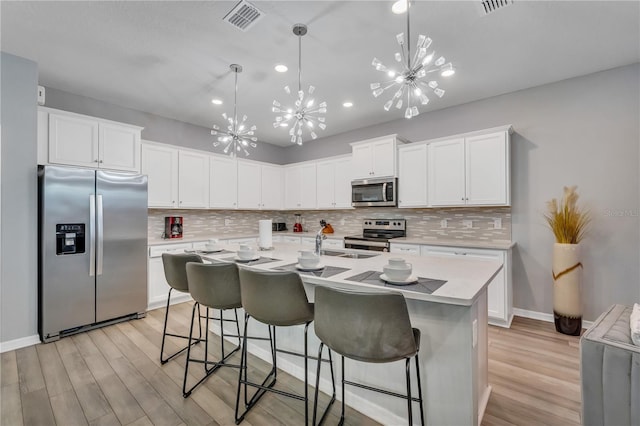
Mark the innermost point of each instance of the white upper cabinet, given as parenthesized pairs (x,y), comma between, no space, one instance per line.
(412,175)
(272,187)
(300,186)
(193,180)
(487,167)
(472,170)
(334,183)
(446,173)
(80,140)
(375,157)
(249,185)
(223,182)
(160,164)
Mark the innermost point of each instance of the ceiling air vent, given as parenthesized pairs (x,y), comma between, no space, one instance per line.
(243,15)
(489,6)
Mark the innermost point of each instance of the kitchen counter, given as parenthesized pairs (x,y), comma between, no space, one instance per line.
(204,237)
(465,279)
(452,320)
(455,242)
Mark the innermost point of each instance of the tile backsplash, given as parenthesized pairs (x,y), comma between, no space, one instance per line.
(469,224)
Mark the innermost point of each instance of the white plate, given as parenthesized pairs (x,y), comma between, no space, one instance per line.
(238,259)
(207,251)
(410,280)
(315,268)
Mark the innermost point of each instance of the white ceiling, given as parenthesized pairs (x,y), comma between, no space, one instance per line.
(172,57)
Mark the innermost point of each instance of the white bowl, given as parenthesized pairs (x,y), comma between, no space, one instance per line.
(246,254)
(212,247)
(308,254)
(309,262)
(395,273)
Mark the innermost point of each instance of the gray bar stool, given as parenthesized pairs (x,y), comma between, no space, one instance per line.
(175,272)
(214,286)
(277,299)
(368,327)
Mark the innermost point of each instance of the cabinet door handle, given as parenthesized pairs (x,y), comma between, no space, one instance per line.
(462,199)
(95,161)
(100,161)
(460,254)
(173,202)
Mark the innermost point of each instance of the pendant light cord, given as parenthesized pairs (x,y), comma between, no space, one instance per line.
(299,63)
(408,35)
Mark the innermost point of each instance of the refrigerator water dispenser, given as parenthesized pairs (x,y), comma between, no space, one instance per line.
(70,238)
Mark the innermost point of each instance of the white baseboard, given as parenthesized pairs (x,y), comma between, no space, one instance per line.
(162,303)
(22,342)
(542,316)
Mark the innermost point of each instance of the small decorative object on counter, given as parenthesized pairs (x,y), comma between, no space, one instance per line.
(297,227)
(328,229)
(568,223)
(172,227)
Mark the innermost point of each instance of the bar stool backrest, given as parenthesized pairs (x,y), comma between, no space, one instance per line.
(274,297)
(370,327)
(175,270)
(214,285)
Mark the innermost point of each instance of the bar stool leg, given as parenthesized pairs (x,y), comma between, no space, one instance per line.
(333,382)
(408,371)
(186,365)
(165,334)
(343,396)
(419,391)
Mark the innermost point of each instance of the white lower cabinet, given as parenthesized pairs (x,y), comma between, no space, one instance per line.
(332,243)
(405,249)
(157,287)
(499,293)
(290,240)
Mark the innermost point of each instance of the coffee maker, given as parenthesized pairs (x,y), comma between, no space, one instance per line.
(173,227)
(297,227)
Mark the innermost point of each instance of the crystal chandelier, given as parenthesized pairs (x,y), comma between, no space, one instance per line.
(305,114)
(239,136)
(416,78)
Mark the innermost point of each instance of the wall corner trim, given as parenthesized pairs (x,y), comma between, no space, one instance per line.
(22,342)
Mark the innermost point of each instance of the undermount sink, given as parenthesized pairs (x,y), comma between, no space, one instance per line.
(351,255)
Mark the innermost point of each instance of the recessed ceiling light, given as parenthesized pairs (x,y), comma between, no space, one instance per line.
(347,104)
(216,101)
(281,68)
(399,7)
(284,124)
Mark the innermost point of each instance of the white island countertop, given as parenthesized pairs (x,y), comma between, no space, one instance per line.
(465,278)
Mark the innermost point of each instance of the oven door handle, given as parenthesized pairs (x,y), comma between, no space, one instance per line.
(365,243)
(384,192)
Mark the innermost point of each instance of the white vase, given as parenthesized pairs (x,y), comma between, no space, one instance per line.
(567,288)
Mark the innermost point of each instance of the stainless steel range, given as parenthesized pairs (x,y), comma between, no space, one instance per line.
(376,234)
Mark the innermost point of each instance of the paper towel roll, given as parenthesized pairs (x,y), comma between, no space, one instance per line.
(266,238)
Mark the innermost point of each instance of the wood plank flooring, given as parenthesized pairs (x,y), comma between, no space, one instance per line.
(112,376)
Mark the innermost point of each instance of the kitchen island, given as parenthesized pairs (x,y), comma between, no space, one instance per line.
(449,306)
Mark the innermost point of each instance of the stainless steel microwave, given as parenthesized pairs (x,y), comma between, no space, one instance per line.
(374,192)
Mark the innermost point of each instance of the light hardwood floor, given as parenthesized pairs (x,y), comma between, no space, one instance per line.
(112,376)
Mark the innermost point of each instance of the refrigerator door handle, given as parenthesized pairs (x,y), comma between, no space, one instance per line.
(92,235)
(100,225)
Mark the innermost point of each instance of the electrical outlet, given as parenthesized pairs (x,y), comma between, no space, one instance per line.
(227,222)
(467,224)
(443,223)
(342,222)
(497,223)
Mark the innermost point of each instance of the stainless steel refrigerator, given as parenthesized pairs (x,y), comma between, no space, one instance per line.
(92,249)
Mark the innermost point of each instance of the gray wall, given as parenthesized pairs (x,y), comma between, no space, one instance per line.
(582,131)
(18,277)
(156,128)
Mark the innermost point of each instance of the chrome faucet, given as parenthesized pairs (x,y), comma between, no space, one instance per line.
(319,237)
